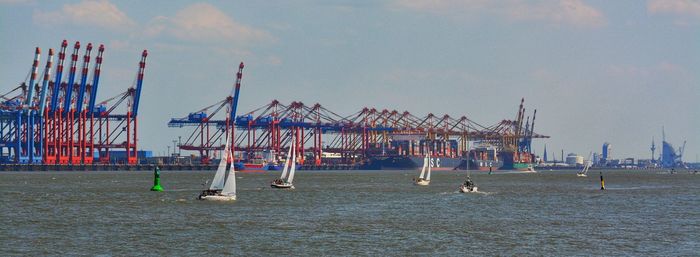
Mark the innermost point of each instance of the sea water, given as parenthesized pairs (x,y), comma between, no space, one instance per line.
(351,213)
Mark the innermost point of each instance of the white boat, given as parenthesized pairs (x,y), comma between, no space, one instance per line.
(468,189)
(285,180)
(223,186)
(468,186)
(584,172)
(424,177)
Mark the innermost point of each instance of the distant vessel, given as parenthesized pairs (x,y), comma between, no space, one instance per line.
(424,177)
(483,158)
(468,186)
(404,162)
(223,186)
(584,172)
(286,179)
(518,161)
(258,161)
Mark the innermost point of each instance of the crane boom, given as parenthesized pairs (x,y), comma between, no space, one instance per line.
(45,83)
(234,103)
(95,80)
(35,71)
(71,79)
(83,79)
(57,80)
(139,83)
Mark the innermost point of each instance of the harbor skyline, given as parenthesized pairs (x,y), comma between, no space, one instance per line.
(598,71)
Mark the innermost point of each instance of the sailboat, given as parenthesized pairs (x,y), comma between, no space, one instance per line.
(223,186)
(424,177)
(584,172)
(285,180)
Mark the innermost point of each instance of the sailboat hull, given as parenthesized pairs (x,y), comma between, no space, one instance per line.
(282,186)
(421,182)
(222,198)
(464,189)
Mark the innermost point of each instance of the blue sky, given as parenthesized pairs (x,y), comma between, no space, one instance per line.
(596,71)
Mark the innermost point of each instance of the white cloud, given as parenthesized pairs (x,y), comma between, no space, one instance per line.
(568,12)
(573,12)
(98,13)
(273,60)
(119,44)
(441,6)
(679,7)
(204,22)
(663,69)
(16,1)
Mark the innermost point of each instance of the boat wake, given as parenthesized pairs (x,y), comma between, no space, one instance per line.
(473,193)
(608,188)
(183,190)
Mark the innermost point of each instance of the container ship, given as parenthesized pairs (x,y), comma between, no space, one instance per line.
(480,159)
(256,161)
(484,159)
(518,161)
(410,154)
(398,162)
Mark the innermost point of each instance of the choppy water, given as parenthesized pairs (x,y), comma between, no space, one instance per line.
(351,213)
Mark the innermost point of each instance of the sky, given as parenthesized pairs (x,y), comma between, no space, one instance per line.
(596,70)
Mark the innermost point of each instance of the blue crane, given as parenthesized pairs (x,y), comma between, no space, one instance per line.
(83,79)
(71,79)
(57,81)
(95,80)
(45,84)
(139,83)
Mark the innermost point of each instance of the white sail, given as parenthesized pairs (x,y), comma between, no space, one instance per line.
(230,185)
(293,167)
(427,177)
(286,162)
(425,165)
(586,165)
(218,181)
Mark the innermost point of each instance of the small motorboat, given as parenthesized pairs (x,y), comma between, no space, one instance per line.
(468,186)
(468,189)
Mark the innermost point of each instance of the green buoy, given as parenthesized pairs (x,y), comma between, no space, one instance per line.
(156,180)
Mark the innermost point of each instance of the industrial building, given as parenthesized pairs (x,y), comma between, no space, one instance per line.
(670,158)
